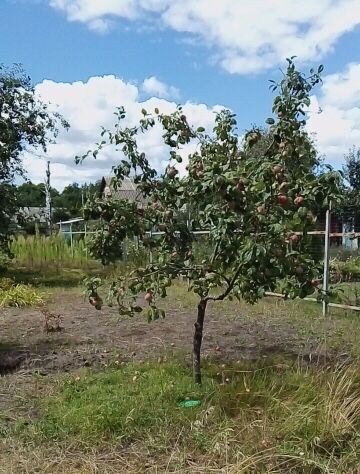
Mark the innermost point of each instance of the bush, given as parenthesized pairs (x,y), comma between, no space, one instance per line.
(4,261)
(347,270)
(6,283)
(19,296)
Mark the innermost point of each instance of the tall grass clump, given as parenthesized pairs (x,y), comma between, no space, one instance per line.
(40,251)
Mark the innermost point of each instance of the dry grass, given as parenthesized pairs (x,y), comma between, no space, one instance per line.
(269,419)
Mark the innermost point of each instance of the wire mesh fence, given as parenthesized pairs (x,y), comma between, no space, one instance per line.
(335,244)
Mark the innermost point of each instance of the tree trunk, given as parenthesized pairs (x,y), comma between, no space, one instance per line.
(198,335)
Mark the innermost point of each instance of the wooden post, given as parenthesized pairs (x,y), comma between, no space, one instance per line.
(326,261)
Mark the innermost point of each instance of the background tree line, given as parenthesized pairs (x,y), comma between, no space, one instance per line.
(65,204)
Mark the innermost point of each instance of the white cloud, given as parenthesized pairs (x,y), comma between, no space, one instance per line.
(90,105)
(334,116)
(157,88)
(245,36)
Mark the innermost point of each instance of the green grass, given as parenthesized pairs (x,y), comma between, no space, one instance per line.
(274,416)
(262,418)
(40,251)
(51,278)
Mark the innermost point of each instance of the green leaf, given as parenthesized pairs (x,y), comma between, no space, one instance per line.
(270,121)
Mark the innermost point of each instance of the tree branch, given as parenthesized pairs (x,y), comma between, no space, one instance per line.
(214,255)
(228,289)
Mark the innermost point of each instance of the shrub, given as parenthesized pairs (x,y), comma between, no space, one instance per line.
(20,296)
(6,283)
(347,270)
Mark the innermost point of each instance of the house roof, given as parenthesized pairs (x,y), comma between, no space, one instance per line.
(127,189)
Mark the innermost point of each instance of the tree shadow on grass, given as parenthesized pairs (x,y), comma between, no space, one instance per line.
(65,278)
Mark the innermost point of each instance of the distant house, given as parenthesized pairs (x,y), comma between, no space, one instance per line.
(26,218)
(127,190)
(339,225)
(37,214)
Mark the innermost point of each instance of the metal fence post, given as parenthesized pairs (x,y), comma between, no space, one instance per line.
(71,241)
(150,251)
(85,235)
(325,288)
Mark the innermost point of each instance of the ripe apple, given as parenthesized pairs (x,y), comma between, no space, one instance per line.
(174,255)
(315,282)
(92,300)
(96,301)
(282,199)
(99,304)
(171,172)
(148,297)
(261,209)
(277,169)
(299,200)
(240,186)
(299,270)
(162,227)
(285,153)
(156,205)
(278,253)
(294,239)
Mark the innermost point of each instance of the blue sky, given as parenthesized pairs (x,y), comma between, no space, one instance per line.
(188,51)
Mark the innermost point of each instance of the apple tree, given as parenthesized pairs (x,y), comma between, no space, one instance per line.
(256,206)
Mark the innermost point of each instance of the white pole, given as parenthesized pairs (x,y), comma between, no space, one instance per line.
(326,261)
(48,198)
(150,252)
(85,235)
(71,241)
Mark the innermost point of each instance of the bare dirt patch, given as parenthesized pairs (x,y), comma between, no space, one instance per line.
(94,338)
